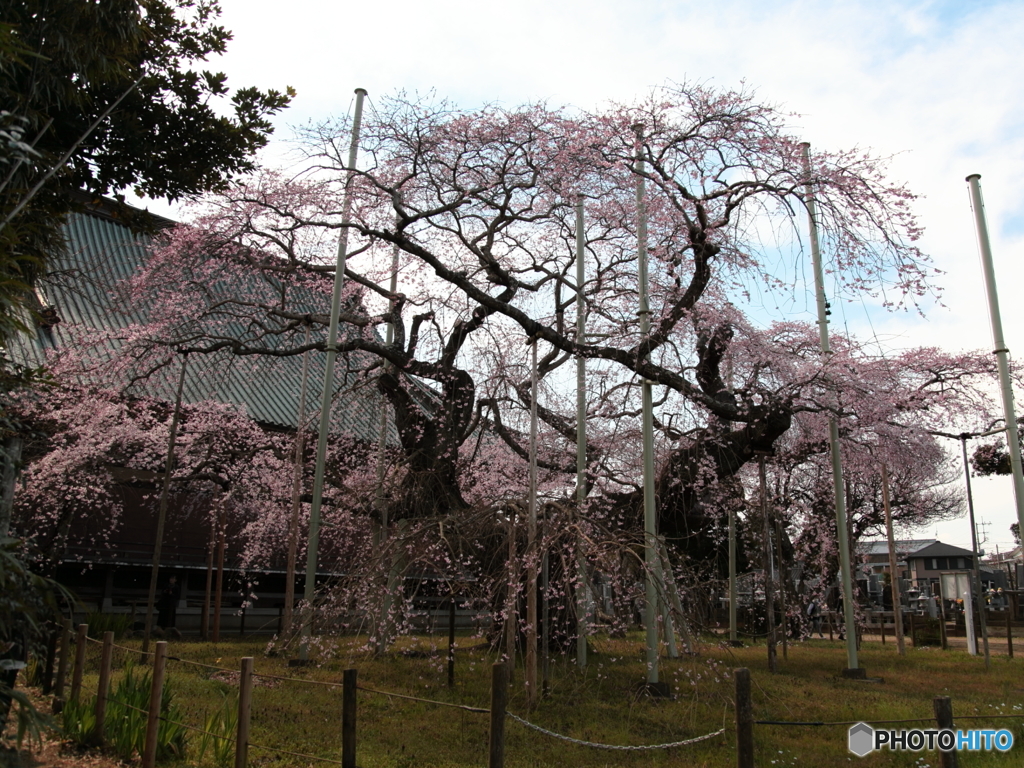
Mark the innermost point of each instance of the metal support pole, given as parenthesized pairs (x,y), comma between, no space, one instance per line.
(833,427)
(894,577)
(1001,352)
(974,551)
(328,390)
(381,534)
(581,442)
(647,426)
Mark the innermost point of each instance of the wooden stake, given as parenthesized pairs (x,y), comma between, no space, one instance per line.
(62,665)
(942,626)
(744,719)
(51,656)
(80,649)
(204,620)
(1009,633)
(348,719)
(244,712)
(944,717)
(156,694)
(219,594)
(103,689)
(499,699)
(451,642)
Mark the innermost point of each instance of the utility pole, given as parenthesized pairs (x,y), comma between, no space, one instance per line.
(328,390)
(833,429)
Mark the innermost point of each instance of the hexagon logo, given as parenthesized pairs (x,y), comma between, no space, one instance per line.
(861,739)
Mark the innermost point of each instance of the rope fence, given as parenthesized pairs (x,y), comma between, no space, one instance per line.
(111,653)
(621,748)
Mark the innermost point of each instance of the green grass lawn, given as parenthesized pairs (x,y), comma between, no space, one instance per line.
(597,704)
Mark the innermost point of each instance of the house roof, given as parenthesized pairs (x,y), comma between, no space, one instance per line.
(908,549)
(938,549)
(904,547)
(103,252)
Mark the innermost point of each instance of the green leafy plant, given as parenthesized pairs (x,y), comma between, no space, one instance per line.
(219,735)
(125,726)
(78,721)
(27,602)
(118,623)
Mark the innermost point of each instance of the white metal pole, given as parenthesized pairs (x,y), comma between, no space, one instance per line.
(647,426)
(842,535)
(384,629)
(581,442)
(974,547)
(1001,352)
(325,400)
(894,576)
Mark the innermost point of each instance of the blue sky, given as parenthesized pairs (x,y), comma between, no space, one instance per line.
(935,85)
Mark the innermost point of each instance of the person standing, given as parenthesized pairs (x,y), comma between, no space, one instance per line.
(167,605)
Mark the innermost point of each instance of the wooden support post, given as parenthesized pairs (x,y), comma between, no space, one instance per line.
(80,648)
(103,689)
(744,719)
(944,717)
(156,695)
(219,593)
(51,656)
(942,626)
(1009,633)
(451,643)
(62,666)
(204,619)
(244,711)
(913,631)
(782,589)
(348,719)
(499,698)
